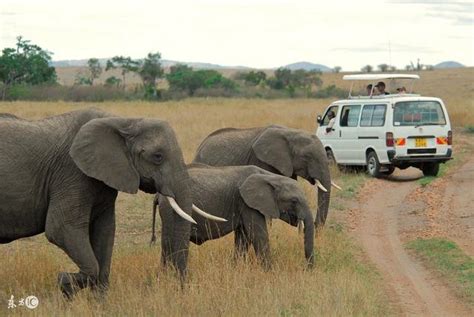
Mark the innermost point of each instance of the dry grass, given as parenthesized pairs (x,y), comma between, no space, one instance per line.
(340,284)
(454,86)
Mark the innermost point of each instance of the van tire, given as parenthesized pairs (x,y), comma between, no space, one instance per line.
(330,156)
(373,164)
(430,169)
(389,171)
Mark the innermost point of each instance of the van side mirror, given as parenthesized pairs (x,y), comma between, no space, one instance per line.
(319,119)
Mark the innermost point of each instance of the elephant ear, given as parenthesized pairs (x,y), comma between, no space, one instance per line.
(272,148)
(100,151)
(259,194)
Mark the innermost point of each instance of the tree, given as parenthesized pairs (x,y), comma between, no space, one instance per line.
(82,79)
(383,67)
(126,64)
(94,69)
(291,80)
(253,78)
(337,69)
(367,69)
(150,71)
(27,63)
(184,78)
(112,81)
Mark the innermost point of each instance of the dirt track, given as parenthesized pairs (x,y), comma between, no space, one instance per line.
(392,211)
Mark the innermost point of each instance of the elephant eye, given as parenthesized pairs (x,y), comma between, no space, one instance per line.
(294,201)
(158,158)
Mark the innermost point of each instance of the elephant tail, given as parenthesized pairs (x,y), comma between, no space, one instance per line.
(153,229)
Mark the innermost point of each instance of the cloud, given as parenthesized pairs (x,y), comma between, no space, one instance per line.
(457,12)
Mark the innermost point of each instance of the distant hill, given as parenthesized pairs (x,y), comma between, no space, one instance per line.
(449,64)
(308,66)
(164,63)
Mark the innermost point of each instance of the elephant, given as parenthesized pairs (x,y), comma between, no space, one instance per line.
(61,176)
(278,149)
(246,196)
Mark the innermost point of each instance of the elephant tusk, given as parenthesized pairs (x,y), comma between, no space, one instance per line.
(320,186)
(335,185)
(180,211)
(206,215)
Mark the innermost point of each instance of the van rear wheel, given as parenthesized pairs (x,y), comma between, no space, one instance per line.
(373,165)
(430,169)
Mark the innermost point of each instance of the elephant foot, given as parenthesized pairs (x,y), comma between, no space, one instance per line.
(71,283)
(266,265)
(67,285)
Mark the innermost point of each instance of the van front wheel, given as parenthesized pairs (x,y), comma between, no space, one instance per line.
(430,169)
(373,165)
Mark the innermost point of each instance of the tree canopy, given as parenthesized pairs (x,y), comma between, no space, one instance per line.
(27,63)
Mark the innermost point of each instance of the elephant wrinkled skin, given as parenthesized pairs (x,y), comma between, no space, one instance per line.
(244,195)
(61,175)
(277,149)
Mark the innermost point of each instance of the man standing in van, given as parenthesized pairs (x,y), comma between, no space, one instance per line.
(332,120)
(381,88)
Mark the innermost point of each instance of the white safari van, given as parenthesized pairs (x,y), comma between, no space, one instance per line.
(386,131)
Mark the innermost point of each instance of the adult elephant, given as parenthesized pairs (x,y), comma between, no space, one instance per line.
(246,196)
(277,149)
(61,175)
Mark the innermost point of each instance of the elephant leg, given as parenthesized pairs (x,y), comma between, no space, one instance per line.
(241,242)
(166,244)
(256,226)
(71,234)
(102,240)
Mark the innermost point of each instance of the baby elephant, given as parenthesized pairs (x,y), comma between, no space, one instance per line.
(245,196)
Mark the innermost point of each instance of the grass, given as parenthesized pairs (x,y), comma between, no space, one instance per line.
(470,128)
(340,285)
(446,258)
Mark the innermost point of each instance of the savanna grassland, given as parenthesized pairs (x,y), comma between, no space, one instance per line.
(341,284)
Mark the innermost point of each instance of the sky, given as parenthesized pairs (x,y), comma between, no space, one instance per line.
(254,33)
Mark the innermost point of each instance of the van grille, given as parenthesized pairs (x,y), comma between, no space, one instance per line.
(421,151)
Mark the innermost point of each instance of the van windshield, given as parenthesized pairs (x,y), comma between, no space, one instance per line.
(417,113)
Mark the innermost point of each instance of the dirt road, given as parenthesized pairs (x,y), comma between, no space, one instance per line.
(391,211)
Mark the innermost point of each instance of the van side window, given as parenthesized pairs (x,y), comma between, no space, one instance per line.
(373,116)
(350,116)
(326,118)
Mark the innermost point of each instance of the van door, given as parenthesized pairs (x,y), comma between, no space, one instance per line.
(348,134)
(372,131)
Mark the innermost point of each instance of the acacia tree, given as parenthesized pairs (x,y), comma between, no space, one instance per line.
(367,69)
(383,67)
(126,64)
(27,63)
(150,71)
(337,69)
(94,68)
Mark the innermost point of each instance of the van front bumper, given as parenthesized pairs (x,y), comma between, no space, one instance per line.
(407,160)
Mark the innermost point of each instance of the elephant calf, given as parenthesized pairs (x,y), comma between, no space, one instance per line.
(245,196)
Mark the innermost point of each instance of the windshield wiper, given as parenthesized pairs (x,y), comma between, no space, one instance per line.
(428,123)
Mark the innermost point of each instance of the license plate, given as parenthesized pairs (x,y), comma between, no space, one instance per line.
(420,142)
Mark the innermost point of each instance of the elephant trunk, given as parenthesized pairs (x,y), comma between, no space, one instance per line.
(309,238)
(323,199)
(178,228)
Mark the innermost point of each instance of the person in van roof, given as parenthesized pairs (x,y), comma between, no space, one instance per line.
(402,90)
(369,90)
(381,88)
